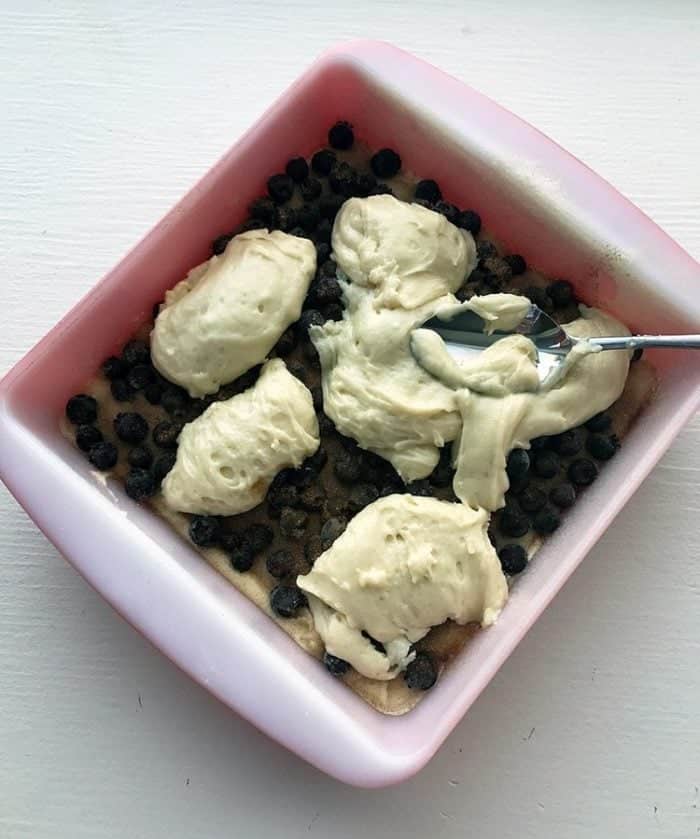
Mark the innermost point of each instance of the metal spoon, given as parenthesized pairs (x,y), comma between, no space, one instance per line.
(464,337)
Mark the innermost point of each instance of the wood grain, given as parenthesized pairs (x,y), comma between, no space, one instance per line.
(592,727)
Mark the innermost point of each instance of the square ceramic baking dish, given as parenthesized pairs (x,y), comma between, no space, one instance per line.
(535,198)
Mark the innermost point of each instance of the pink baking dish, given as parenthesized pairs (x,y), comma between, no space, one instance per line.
(539,201)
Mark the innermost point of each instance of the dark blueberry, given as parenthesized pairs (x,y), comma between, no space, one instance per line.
(317,397)
(308,217)
(360,496)
(485,250)
(637,354)
(602,447)
(165,434)
(323,161)
(385,163)
(140,457)
(280,564)
(366,184)
(582,472)
(325,424)
(516,263)
(153,393)
(428,190)
(114,368)
(546,464)
(86,436)
(286,343)
(419,488)
(518,485)
(311,317)
(162,465)
(341,136)
(312,498)
(443,473)
(280,188)
(218,246)
(561,293)
(230,540)
(323,231)
(532,499)
(286,219)
(421,673)
(251,224)
(310,189)
(173,399)
(328,269)
(130,427)
(331,530)
(139,484)
(343,179)
(297,169)
(279,497)
(539,297)
(323,251)
(300,233)
(136,352)
(513,559)
(241,557)
(141,375)
(313,549)
(329,205)
(348,467)
(293,523)
(328,290)
(205,531)
(103,455)
(286,601)
(514,522)
(121,390)
(470,221)
(539,443)
(546,521)
(264,210)
(333,311)
(563,496)
(317,460)
(448,210)
(568,443)
(302,477)
(81,409)
(599,422)
(335,666)
(518,464)
(381,189)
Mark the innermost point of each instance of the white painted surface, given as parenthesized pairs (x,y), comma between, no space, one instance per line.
(592,728)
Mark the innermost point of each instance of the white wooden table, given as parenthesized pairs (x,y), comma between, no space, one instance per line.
(592,728)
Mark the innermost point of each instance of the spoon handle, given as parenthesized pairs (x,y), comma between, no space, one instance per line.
(633,342)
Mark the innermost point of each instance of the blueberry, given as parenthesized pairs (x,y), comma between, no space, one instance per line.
(162,465)
(297,169)
(341,135)
(421,673)
(279,497)
(325,424)
(323,251)
(173,399)
(385,163)
(532,499)
(366,184)
(286,343)
(280,188)
(546,521)
(347,467)
(286,601)
(139,484)
(121,390)
(513,559)
(205,531)
(582,472)
(514,522)
(335,666)
(141,375)
(136,352)
(470,221)
(563,495)
(568,443)
(485,250)
(546,464)
(361,496)
(539,297)
(299,232)
(331,530)
(140,457)
(81,409)
(329,205)
(382,189)
(165,434)
(518,464)
(241,557)
(218,246)
(103,456)
(317,460)
(448,210)
(86,436)
(599,422)
(286,219)
(343,179)
(323,161)
(539,443)
(153,393)
(516,263)
(250,224)
(293,523)
(264,210)
(328,290)
(280,564)
(333,311)
(419,488)
(313,549)
(310,189)
(308,217)
(428,190)
(602,447)
(443,473)
(259,537)
(130,427)
(114,368)
(561,293)
(323,231)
